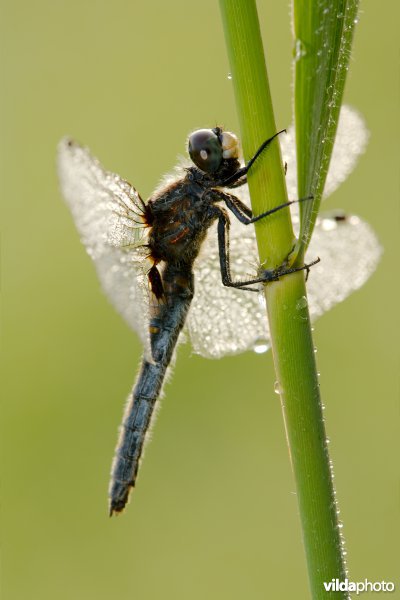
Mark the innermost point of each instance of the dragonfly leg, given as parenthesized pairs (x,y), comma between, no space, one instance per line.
(266,277)
(243,179)
(223,245)
(276,274)
(244,170)
(243,213)
(239,182)
(276,208)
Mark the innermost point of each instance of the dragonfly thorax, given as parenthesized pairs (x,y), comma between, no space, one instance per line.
(180,219)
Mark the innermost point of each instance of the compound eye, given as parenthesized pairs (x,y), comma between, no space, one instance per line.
(205,150)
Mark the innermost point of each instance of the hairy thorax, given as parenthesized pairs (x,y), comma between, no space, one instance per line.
(179,217)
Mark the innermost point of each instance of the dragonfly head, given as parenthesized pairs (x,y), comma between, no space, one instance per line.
(208,148)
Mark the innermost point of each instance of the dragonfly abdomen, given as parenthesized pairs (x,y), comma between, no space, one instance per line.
(165,326)
(135,425)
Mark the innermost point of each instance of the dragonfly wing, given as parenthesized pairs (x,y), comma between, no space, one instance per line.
(350,142)
(108,213)
(125,283)
(349,252)
(225,320)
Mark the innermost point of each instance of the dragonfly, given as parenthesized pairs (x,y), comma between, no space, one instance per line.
(166,269)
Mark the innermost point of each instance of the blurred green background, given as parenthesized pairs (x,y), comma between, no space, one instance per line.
(214,514)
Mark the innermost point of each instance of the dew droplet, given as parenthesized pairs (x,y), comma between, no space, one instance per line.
(299,50)
(277,387)
(261,345)
(261,300)
(301,303)
(230,76)
(328,224)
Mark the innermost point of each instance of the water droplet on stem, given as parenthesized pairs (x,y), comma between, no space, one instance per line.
(261,346)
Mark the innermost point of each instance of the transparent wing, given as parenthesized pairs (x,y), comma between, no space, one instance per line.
(221,320)
(227,321)
(351,140)
(349,252)
(224,320)
(108,213)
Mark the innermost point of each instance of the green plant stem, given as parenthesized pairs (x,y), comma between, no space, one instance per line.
(257,123)
(290,328)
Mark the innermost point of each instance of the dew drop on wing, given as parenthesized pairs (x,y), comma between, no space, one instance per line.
(261,345)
